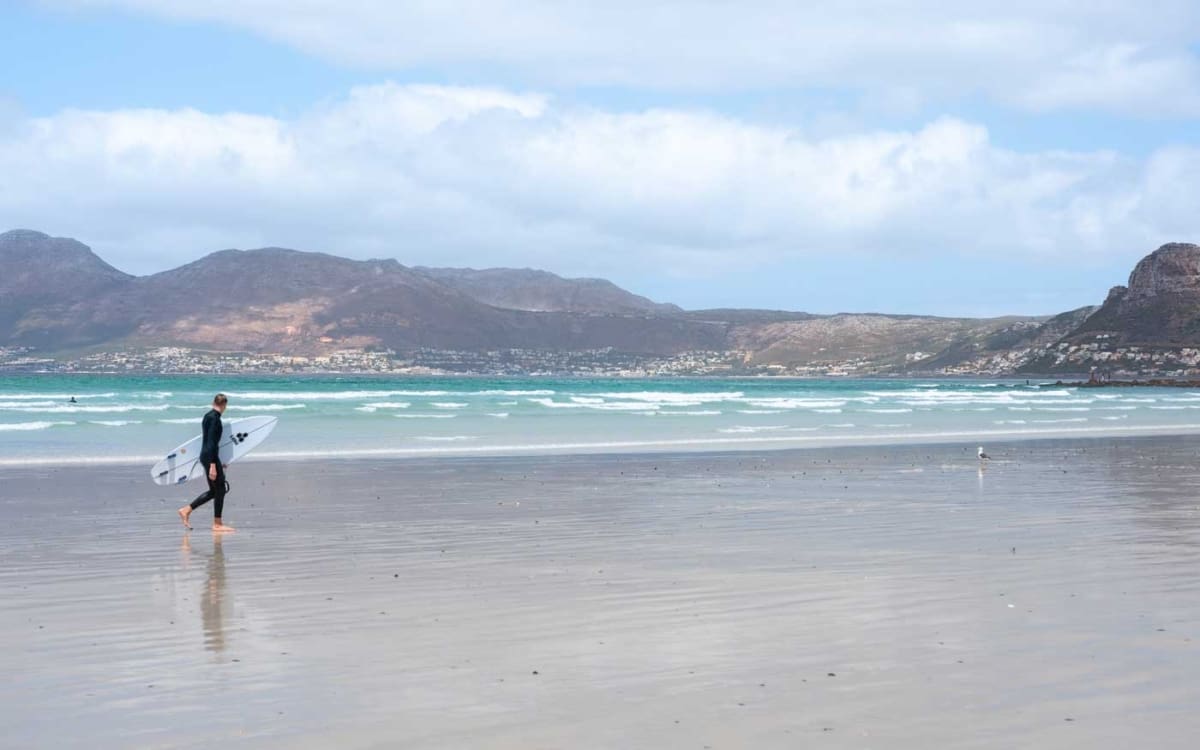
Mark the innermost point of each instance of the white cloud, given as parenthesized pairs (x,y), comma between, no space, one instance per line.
(453,175)
(1122,56)
(1146,81)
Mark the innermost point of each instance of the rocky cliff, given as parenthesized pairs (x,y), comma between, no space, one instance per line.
(1159,307)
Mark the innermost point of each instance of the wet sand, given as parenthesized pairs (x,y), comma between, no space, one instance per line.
(843,598)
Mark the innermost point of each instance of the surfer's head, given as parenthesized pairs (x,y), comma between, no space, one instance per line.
(219,402)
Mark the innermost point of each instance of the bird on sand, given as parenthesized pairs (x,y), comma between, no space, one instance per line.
(983,456)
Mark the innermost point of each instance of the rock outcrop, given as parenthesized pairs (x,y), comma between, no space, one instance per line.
(1171,269)
(1159,307)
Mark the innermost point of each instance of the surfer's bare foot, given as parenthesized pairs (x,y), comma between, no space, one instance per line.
(220,528)
(184,512)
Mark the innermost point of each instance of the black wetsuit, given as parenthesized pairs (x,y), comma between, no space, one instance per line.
(209,455)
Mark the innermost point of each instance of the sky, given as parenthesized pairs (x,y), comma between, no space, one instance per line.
(974,158)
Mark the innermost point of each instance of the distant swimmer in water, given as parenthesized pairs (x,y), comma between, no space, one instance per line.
(73,401)
(210,458)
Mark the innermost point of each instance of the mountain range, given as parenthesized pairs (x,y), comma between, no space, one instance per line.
(57,296)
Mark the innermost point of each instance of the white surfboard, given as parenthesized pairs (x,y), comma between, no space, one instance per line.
(238,438)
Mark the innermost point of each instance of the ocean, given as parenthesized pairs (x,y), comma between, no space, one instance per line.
(120,419)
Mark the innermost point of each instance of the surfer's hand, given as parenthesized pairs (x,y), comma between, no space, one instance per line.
(212,472)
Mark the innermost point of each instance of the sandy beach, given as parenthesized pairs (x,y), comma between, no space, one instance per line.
(859,597)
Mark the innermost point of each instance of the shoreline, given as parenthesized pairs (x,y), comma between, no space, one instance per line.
(684,447)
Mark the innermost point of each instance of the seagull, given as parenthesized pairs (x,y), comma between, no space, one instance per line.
(983,456)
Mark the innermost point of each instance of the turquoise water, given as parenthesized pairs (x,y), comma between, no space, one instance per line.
(122,418)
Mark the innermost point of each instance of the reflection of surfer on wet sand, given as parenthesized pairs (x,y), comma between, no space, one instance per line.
(212,599)
(212,594)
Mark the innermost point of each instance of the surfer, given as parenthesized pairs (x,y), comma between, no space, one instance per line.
(210,458)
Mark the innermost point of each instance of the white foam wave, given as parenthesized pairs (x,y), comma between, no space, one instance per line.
(388,404)
(185,420)
(446,439)
(964,399)
(1064,408)
(28,426)
(424,416)
(552,404)
(945,396)
(499,414)
(1060,421)
(78,409)
(115,422)
(512,393)
(326,395)
(761,411)
(606,406)
(795,403)
(750,429)
(671,397)
(617,406)
(889,411)
(56,396)
(449,405)
(693,413)
(269,407)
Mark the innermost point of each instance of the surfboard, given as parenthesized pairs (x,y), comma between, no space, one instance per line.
(238,438)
